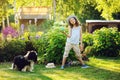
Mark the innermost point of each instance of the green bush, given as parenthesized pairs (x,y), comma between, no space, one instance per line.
(56,43)
(106,42)
(46,25)
(87,39)
(40,45)
(10,49)
(32,28)
(2,53)
(29,46)
(51,46)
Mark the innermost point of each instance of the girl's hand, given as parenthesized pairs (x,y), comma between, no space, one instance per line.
(68,36)
(65,34)
(81,47)
(62,28)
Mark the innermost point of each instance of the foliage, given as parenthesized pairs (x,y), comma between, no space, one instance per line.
(87,39)
(46,25)
(14,26)
(56,43)
(51,46)
(32,28)
(31,35)
(9,31)
(10,49)
(41,46)
(3,8)
(83,9)
(103,42)
(106,42)
(107,8)
(88,44)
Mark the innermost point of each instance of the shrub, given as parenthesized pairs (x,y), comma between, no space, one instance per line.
(106,42)
(56,43)
(87,39)
(29,46)
(46,25)
(11,49)
(2,53)
(32,28)
(40,45)
(51,46)
(31,35)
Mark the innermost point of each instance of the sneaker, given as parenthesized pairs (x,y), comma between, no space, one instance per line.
(84,66)
(62,67)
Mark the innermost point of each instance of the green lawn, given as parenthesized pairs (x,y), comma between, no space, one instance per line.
(101,69)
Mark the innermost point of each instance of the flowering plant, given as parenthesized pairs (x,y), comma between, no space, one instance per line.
(9,31)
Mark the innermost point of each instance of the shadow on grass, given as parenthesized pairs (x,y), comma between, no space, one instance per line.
(9,74)
(69,73)
(77,73)
(23,76)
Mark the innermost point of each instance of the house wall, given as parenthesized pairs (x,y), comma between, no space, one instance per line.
(26,22)
(92,26)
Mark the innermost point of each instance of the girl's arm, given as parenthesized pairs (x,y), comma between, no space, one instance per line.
(81,35)
(81,44)
(69,32)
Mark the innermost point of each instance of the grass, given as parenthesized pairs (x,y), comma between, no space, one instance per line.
(100,69)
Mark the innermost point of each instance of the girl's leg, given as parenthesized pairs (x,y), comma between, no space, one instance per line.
(66,52)
(80,60)
(78,54)
(64,60)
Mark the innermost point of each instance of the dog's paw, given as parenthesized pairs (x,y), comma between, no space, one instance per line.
(11,68)
(32,71)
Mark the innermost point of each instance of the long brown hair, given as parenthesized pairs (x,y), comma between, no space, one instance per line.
(77,23)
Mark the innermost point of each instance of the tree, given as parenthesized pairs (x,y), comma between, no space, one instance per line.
(108,8)
(84,9)
(3,10)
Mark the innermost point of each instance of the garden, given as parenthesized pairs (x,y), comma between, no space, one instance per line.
(102,47)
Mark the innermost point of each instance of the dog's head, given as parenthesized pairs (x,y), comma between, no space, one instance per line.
(31,55)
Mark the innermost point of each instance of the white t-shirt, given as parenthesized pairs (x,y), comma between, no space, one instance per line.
(75,35)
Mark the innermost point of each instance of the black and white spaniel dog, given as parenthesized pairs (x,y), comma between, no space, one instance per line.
(25,63)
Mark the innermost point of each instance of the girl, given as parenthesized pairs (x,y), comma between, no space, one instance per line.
(74,37)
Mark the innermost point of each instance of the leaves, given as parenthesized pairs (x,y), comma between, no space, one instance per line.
(108,7)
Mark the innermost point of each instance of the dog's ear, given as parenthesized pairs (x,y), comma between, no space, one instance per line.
(36,52)
(33,51)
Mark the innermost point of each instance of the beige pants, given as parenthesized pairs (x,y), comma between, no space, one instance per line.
(75,47)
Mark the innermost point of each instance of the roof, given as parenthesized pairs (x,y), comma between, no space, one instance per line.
(33,12)
(102,21)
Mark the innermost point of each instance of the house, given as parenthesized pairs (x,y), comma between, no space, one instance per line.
(32,15)
(92,25)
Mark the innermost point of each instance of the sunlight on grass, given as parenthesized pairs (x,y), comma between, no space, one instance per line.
(64,75)
(100,69)
(106,64)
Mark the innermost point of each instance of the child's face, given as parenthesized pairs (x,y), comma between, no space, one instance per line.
(72,21)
